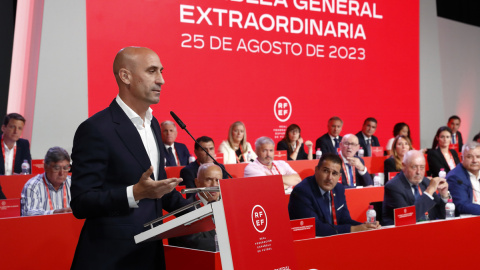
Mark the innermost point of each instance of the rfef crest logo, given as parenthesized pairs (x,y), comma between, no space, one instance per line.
(259,218)
(282,109)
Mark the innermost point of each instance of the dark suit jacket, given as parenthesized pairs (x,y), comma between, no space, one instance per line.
(23,152)
(459,140)
(182,153)
(282,145)
(108,155)
(361,180)
(436,161)
(306,201)
(363,144)
(388,167)
(189,173)
(398,193)
(462,193)
(325,144)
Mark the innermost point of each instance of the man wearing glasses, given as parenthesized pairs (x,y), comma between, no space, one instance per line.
(354,172)
(49,192)
(320,197)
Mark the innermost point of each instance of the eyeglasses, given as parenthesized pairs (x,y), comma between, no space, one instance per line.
(350,144)
(58,168)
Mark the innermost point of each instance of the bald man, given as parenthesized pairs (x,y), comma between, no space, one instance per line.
(118,158)
(354,172)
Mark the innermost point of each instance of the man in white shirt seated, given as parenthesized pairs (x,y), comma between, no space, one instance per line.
(354,171)
(265,165)
(49,192)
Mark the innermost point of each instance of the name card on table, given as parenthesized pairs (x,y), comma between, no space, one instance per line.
(303,228)
(405,216)
(392,175)
(280,155)
(219,157)
(377,151)
(10,208)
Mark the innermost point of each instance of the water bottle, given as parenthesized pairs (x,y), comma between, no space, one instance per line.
(450,209)
(442,173)
(318,154)
(217,248)
(25,167)
(191,159)
(377,180)
(371,215)
(249,156)
(361,152)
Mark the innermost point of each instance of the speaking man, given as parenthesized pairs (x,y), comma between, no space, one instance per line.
(265,165)
(411,187)
(464,181)
(117,159)
(49,192)
(189,172)
(176,153)
(330,141)
(366,139)
(354,171)
(14,149)
(320,196)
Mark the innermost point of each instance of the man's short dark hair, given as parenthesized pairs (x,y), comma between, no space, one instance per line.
(203,139)
(330,157)
(335,118)
(14,116)
(454,117)
(56,154)
(370,119)
(476,137)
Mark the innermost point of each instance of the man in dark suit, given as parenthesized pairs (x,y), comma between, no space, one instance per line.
(411,187)
(117,159)
(366,139)
(330,141)
(189,172)
(454,124)
(14,149)
(208,176)
(176,153)
(464,181)
(313,198)
(354,172)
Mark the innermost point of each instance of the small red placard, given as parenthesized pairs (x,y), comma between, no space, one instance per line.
(280,155)
(303,228)
(405,216)
(377,151)
(392,175)
(9,208)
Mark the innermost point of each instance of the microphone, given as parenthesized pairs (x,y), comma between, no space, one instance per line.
(184,127)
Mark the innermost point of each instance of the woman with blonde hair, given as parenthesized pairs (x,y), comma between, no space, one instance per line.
(236,148)
(400,146)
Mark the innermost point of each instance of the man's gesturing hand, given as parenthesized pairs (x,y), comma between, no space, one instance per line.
(150,189)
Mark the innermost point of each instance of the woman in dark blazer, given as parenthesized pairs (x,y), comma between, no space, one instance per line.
(441,156)
(293,143)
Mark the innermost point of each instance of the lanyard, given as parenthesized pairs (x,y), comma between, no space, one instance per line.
(419,190)
(14,154)
(334,211)
(271,171)
(241,151)
(48,193)
(347,175)
(451,164)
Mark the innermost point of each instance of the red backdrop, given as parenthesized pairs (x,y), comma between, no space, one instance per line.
(374,73)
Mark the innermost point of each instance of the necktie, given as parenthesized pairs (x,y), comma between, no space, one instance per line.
(350,173)
(417,195)
(369,149)
(170,157)
(453,138)
(326,198)
(336,144)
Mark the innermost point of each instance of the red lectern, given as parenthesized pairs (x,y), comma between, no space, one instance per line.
(251,221)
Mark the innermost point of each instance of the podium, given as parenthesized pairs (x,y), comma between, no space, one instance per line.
(251,221)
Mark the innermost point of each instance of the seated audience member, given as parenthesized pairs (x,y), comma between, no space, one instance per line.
(399,129)
(189,172)
(464,181)
(208,176)
(313,198)
(476,138)
(265,165)
(236,148)
(330,141)
(411,187)
(394,162)
(441,156)
(366,139)
(14,149)
(293,143)
(354,171)
(454,124)
(176,154)
(49,192)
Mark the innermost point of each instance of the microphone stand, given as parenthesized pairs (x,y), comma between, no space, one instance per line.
(184,127)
